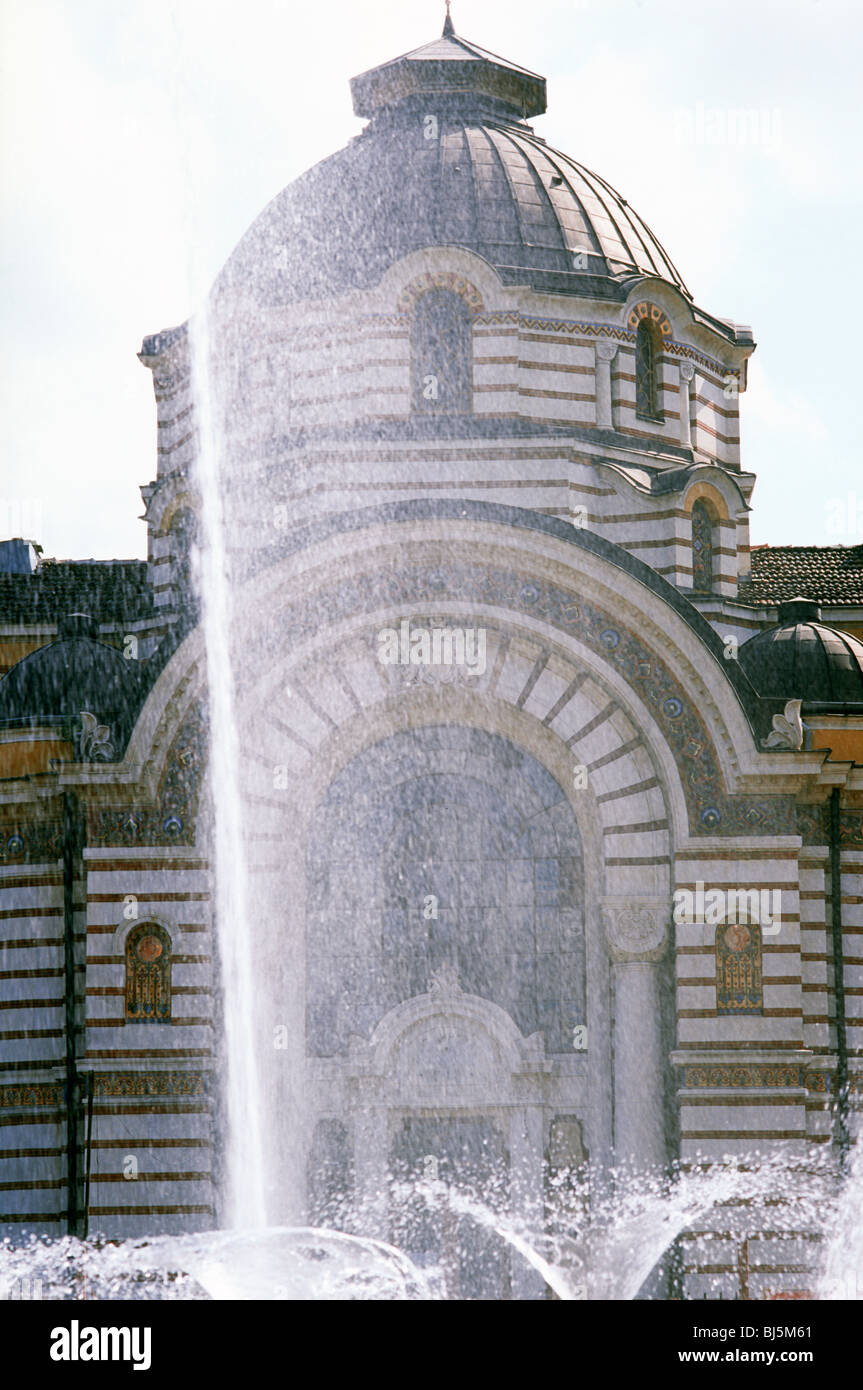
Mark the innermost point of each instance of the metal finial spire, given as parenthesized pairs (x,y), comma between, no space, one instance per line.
(448,30)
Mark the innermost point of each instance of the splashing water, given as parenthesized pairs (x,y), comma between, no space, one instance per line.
(245,1197)
(609,1248)
(243,1187)
(276,1264)
(842,1270)
(605,1248)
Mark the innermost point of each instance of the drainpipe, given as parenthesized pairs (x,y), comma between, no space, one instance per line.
(842,1136)
(71,851)
(90,1092)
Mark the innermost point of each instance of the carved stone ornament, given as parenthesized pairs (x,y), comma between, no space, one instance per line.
(92,740)
(636,928)
(434,675)
(787,729)
(606,351)
(687,371)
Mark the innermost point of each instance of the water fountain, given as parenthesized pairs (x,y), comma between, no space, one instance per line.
(473,1190)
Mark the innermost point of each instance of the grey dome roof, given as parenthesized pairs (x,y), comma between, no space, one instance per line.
(802,659)
(75,673)
(482,179)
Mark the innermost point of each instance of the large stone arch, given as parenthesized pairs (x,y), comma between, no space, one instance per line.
(361,545)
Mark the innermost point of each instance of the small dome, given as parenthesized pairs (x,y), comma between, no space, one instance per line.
(75,673)
(447,160)
(801,659)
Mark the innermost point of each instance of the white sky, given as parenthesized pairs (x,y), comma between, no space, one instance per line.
(139,138)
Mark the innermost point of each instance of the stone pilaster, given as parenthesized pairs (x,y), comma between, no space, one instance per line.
(605,352)
(637,933)
(687,375)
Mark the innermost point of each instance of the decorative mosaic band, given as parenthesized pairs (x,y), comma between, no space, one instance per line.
(441,280)
(160,1084)
(47,1094)
(646,310)
(824,1083)
(813,824)
(579,328)
(734,1077)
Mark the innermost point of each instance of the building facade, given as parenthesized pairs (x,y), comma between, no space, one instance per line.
(510,685)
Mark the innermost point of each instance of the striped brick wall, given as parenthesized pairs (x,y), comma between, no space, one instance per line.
(763,1083)
(32,1048)
(736,1114)
(852,933)
(153,1143)
(344,364)
(152,1150)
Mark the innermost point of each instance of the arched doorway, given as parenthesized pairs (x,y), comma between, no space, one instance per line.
(446,986)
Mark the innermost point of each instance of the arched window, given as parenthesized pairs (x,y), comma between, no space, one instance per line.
(148,974)
(441,351)
(739,986)
(647,371)
(702,548)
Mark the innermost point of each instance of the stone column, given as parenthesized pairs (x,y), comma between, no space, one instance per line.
(370,1170)
(605,352)
(687,373)
(526,1171)
(637,933)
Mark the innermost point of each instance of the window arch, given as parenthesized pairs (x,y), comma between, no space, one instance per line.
(441,350)
(148,974)
(647,371)
(702,547)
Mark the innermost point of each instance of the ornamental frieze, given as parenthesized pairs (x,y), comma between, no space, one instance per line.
(813,825)
(158,1084)
(735,1076)
(26,839)
(40,1095)
(824,1083)
(164,1084)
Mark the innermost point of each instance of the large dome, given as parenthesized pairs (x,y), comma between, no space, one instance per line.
(447,160)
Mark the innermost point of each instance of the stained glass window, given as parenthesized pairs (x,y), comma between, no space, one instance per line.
(441,346)
(646,387)
(148,974)
(702,548)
